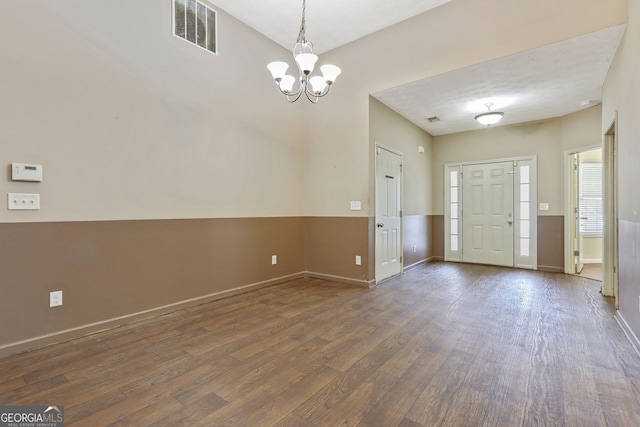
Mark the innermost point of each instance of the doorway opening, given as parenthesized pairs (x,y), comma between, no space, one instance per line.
(584,213)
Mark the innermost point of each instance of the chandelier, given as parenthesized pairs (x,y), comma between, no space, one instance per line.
(313,87)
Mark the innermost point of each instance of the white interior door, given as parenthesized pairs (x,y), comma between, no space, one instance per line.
(388,213)
(487,213)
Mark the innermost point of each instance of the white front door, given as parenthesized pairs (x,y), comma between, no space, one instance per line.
(488,213)
(388,213)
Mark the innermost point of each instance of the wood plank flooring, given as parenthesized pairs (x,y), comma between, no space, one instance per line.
(443,345)
(592,271)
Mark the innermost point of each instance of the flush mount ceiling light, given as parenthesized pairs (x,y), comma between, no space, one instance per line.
(313,87)
(489,118)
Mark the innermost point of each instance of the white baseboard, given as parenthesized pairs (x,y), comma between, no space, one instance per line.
(628,331)
(341,279)
(418,264)
(93,328)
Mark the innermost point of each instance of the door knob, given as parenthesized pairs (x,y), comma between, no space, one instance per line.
(510,222)
(380,225)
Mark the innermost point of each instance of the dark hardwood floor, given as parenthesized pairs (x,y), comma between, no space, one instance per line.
(443,345)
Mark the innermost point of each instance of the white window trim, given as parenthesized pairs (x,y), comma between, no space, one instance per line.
(173,26)
(449,254)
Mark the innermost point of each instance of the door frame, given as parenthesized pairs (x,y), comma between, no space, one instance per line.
(610,270)
(375,204)
(457,256)
(569,234)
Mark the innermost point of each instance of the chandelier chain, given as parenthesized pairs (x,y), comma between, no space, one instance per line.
(302,38)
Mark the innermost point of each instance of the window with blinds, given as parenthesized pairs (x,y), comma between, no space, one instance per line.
(591,221)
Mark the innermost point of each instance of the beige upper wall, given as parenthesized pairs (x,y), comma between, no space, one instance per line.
(455,35)
(547,140)
(130,122)
(621,93)
(391,130)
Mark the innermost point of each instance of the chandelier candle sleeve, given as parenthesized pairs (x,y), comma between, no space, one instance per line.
(306,62)
(286,85)
(313,87)
(278,70)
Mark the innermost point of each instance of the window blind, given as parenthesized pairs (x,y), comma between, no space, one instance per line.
(591,221)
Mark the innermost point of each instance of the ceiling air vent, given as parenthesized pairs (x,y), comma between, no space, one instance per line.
(433,119)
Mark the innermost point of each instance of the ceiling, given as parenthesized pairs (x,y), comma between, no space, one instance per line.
(279,20)
(543,83)
(551,81)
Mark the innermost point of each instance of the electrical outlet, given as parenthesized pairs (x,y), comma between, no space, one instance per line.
(415,249)
(274,259)
(55,299)
(358,260)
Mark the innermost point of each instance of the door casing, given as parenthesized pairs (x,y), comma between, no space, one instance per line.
(610,270)
(572,237)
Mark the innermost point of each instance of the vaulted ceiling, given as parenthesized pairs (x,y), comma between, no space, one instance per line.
(547,82)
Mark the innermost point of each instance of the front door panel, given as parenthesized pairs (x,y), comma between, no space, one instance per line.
(488,213)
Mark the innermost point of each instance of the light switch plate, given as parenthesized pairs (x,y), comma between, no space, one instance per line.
(544,206)
(356,205)
(23,202)
(24,172)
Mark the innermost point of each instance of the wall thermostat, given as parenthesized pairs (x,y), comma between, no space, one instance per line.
(25,172)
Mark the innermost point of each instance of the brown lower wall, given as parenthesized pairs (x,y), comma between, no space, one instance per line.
(417,239)
(629,276)
(332,244)
(117,269)
(438,236)
(550,241)
(112,272)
